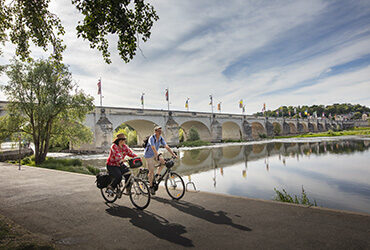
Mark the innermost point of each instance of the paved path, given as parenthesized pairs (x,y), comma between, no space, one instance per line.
(68,209)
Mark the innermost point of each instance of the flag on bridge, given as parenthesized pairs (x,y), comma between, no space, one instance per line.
(167,95)
(219,106)
(241,103)
(99,87)
(142,99)
(264,107)
(243,109)
(187,103)
(210,100)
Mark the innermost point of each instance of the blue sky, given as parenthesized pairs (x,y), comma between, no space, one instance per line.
(277,52)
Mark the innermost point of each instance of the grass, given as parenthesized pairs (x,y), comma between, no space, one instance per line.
(196,143)
(69,165)
(283,196)
(13,236)
(355,131)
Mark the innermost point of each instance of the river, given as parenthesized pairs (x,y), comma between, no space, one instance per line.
(335,172)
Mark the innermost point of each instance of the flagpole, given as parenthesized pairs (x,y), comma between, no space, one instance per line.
(168,98)
(101,95)
(142,100)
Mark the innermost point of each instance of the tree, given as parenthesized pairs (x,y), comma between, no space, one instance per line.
(193,134)
(45,105)
(31,21)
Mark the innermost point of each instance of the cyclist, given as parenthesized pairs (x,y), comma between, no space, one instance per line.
(118,151)
(152,156)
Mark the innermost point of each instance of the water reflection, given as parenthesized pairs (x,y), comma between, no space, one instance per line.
(333,172)
(200,160)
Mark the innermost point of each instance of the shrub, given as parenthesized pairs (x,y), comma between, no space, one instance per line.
(181,135)
(193,134)
(285,197)
(262,136)
(93,170)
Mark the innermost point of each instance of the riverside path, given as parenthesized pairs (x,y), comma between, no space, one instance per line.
(68,209)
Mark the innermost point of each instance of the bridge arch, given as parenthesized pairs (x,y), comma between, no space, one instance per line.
(143,128)
(302,127)
(257,130)
(231,131)
(277,128)
(204,133)
(292,128)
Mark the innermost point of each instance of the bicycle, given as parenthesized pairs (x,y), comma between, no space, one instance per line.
(139,192)
(174,184)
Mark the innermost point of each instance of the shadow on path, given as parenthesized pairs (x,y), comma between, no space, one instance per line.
(219,217)
(153,223)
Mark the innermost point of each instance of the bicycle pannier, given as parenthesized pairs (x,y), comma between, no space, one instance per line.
(103,179)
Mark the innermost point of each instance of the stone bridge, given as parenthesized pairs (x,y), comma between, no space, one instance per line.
(214,127)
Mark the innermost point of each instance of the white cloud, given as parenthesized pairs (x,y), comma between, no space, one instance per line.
(193,43)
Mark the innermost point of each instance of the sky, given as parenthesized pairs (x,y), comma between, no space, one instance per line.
(273,52)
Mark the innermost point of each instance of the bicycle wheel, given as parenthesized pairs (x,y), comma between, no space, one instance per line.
(175,186)
(109,195)
(139,195)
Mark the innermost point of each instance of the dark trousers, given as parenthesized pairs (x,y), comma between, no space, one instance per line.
(117,172)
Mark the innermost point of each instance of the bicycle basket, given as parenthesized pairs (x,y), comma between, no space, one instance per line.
(169,163)
(135,162)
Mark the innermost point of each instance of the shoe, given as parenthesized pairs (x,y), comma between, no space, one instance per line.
(152,190)
(109,190)
(127,190)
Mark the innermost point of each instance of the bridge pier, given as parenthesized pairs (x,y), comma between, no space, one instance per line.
(103,132)
(216,131)
(286,128)
(269,128)
(246,131)
(171,131)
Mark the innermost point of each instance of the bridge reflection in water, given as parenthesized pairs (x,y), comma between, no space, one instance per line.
(335,173)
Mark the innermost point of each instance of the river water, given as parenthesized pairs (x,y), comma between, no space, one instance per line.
(333,172)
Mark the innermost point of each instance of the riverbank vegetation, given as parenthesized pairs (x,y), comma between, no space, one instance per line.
(355,131)
(13,236)
(353,111)
(69,165)
(283,196)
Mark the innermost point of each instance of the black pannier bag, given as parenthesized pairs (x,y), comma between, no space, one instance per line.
(135,162)
(169,163)
(103,179)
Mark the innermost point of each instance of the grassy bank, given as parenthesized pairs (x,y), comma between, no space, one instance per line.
(196,143)
(355,131)
(13,236)
(69,165)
